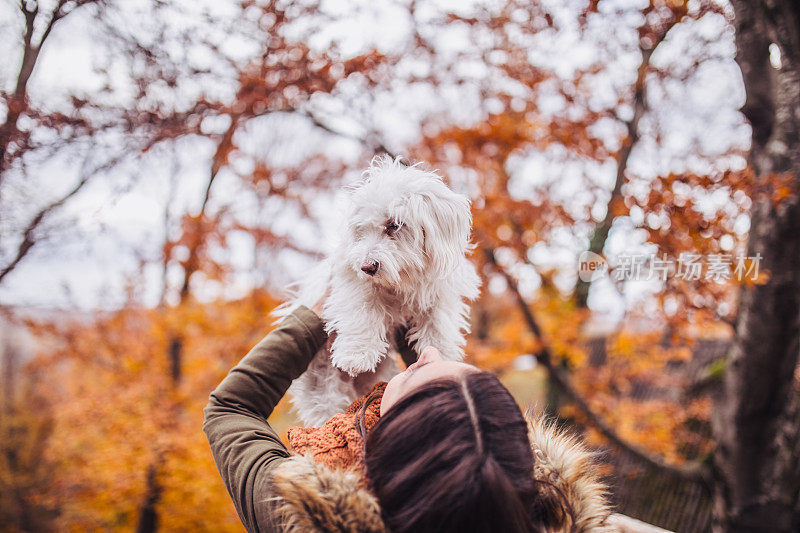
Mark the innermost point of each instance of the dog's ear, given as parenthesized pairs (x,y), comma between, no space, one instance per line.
(446,222)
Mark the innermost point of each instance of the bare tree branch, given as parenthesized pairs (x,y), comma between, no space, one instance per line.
(17,102)
(29,238)
(600,234)
(647,48)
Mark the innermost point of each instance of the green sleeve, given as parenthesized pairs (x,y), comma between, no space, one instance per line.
(244,445)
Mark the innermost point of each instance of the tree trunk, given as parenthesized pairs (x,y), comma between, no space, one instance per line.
(756,421)
(148,513)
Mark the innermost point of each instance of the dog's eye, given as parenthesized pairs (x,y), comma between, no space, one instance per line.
(392,227)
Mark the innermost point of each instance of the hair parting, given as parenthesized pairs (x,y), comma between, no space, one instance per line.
(473,417)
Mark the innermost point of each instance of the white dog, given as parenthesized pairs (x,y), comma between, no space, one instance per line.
(401,263)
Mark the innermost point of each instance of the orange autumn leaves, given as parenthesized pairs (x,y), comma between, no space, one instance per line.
(116,412)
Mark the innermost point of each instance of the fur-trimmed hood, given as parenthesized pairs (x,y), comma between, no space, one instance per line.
(313,498)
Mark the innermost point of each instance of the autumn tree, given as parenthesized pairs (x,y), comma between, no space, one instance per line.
(116,412)
(489,153)
(657,20)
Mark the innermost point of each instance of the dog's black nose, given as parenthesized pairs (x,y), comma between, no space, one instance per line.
(370,267)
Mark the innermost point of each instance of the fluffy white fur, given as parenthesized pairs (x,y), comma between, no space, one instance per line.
(417,231)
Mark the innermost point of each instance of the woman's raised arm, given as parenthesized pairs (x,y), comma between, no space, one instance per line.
(244,445)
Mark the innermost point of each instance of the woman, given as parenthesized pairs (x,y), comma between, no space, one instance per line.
(451,451)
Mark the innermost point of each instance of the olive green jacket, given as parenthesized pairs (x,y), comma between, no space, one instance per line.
(245,447)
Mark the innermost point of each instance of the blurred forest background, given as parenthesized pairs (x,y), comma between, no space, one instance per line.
(167,167)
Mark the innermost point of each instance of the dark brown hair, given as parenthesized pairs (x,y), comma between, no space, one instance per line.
(454,455)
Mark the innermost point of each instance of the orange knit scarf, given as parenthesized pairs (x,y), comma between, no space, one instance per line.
(338,443)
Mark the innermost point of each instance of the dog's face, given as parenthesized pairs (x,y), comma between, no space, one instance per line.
(404,226)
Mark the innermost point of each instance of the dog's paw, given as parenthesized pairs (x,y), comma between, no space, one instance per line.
(354,364)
